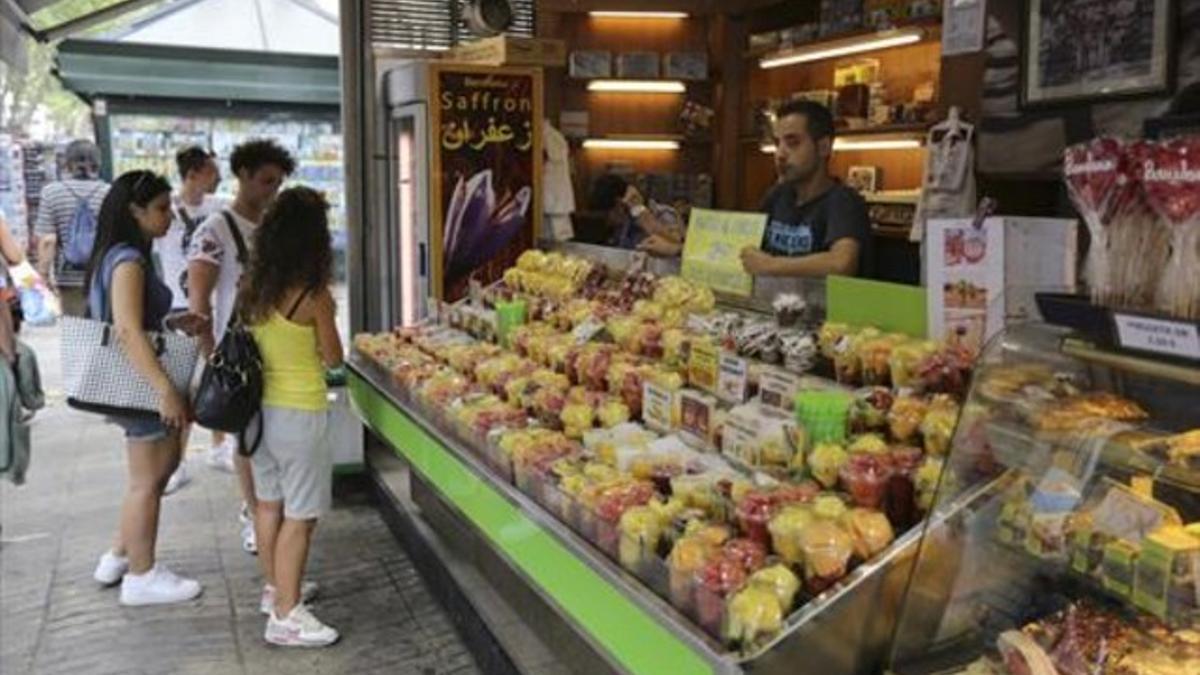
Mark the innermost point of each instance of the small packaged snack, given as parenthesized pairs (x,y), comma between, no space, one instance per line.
(754,614)
(785,529)
(905,358)
(641,528)
(825,462)
(875,355)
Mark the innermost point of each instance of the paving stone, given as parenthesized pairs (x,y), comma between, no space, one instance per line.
(55,619)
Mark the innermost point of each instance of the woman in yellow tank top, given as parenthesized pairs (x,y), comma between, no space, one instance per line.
(287,303)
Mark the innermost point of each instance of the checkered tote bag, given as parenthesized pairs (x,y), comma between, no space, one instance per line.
(100,378)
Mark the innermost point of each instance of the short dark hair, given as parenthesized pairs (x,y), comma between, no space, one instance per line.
(254,155)
(192,158)
(83,159)
(607,191)
(817,117)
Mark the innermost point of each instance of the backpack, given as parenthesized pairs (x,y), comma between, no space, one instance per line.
(229,397)
(189,230)
(81,230)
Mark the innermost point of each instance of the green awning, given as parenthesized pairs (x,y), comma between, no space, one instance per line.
(95,69)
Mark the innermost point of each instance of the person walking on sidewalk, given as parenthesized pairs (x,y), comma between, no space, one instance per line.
(219,253)
(193,203)
(290,310)
(123,287)
(67,209)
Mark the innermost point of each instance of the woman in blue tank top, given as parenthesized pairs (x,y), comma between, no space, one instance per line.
(124,289)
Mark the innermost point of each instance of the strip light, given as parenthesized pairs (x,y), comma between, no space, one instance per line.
(630,144)
(614,14)
(639,86)
(852,45)
(841,144)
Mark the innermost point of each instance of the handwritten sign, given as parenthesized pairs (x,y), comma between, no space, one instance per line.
(1171,338)
(712,252)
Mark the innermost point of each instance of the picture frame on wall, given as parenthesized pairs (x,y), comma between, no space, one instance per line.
(1085,50)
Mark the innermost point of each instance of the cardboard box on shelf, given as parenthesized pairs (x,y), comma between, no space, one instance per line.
(504,50)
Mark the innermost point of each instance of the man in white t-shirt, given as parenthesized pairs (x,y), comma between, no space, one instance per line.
(190,207)
(194,202)
(216,259)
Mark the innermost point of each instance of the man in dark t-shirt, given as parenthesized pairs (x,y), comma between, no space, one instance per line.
(816,226)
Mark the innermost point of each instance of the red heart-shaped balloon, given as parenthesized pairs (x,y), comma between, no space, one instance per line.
(1170,175)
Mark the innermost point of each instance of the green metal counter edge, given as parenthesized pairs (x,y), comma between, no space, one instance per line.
(633,637)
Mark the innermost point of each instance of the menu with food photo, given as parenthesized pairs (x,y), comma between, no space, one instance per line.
(966,280)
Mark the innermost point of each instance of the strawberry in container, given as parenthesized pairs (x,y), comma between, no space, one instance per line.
(754,513)
(611,504)
(649,340)
(901,501)
(947,371)
(718,578)
(865,476)
(750,554)
(547,406)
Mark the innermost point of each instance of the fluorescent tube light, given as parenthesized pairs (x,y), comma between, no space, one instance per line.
(630,144)
(840,144)
(843,47)
(639,86)
(615,14)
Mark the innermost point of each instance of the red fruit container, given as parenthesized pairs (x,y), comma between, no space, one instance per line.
(865,477)
(754,512)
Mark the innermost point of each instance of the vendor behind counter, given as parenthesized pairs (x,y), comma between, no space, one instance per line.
(816,226)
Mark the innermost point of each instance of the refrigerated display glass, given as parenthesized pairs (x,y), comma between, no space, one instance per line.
(1065,534)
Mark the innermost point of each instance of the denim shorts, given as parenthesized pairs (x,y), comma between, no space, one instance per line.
(148,428)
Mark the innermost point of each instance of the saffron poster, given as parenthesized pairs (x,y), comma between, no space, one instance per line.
(487,165)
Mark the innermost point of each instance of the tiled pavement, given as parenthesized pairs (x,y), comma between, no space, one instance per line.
(54,618)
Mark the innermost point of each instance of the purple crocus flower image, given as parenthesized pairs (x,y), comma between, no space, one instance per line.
(478,225)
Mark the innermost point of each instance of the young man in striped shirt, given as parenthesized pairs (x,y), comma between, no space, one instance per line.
(59,202)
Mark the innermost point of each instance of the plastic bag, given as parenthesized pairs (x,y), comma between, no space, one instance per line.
(39,305)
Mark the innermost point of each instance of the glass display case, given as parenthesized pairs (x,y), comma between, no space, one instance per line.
(1065,534)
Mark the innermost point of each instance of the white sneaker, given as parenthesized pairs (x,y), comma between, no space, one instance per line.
(299,629)
(111,568)
(266,604)
(249,540)
(220,457)
(178,479)
(159,586)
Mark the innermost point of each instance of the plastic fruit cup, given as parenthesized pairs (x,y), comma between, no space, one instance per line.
(865,477)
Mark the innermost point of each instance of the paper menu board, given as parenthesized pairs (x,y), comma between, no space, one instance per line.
(966,280)
(712,251)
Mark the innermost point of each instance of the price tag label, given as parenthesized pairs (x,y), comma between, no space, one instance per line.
(656,406)
(704,367)
(696,416)
(732,378)
(1172,338)
(777,389)
(587,330)
(739,440)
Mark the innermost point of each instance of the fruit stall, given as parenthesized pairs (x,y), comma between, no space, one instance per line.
(691,486)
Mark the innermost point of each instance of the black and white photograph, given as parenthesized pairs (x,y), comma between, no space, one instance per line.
(1079,49)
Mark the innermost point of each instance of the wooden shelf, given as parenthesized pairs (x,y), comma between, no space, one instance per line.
(931,22)
(857,133)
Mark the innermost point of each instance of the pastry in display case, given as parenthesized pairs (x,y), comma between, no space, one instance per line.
(1064,535)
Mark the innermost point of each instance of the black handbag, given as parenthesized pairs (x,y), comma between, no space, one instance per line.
(229,397)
